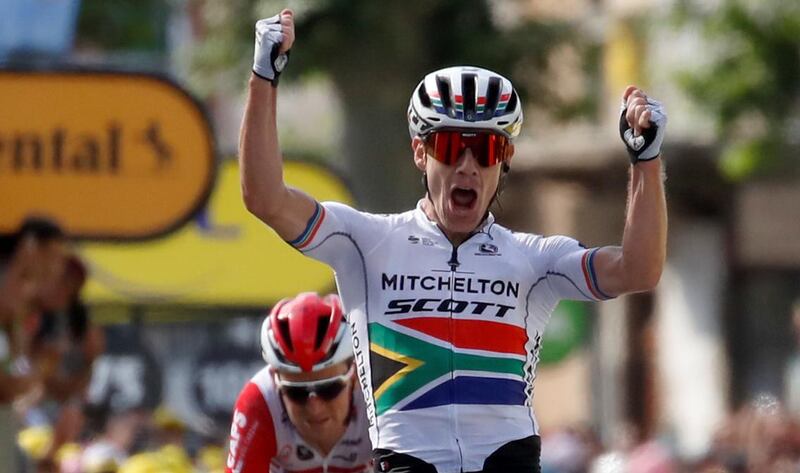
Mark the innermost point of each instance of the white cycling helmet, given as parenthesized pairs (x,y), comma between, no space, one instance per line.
(305,334)
(464,97)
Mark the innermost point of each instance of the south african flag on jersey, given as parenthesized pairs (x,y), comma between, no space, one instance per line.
(433,361)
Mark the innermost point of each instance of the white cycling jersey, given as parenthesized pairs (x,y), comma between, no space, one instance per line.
(446,338)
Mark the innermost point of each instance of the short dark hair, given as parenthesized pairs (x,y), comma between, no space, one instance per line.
(7,245)
(43,229)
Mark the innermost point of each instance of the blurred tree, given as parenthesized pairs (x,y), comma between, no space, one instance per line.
(752,87)
(375,52)
(123,24)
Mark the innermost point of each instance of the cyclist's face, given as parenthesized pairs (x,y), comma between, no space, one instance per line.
(320,422)
(459,193)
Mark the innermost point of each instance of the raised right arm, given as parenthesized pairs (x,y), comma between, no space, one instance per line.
(266,195)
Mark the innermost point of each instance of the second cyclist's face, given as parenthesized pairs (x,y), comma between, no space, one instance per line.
(459,194)
(320,422)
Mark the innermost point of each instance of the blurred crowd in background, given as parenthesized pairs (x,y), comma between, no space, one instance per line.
(48,345)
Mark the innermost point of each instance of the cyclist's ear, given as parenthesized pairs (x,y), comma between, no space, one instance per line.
(420,155)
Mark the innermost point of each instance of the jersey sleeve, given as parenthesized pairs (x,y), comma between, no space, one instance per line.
(339,235)
(252,442)
(570,270)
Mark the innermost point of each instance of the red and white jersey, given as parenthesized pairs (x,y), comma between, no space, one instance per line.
(263,438)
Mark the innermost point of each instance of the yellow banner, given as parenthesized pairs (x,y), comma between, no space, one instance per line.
(108,155)
(224,257)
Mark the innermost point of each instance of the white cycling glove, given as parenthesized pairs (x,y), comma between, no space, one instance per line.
(268,63)
(646,146)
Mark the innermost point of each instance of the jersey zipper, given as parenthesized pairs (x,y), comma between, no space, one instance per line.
(454,264)
(325,458)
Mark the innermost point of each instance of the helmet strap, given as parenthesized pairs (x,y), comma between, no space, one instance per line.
(425,185)
(501,183)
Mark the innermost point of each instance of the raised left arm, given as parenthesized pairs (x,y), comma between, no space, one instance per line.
(637,265)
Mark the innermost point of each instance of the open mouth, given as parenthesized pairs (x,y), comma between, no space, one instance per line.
(463,198)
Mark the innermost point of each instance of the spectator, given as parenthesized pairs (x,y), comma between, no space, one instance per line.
(108,451)
(792,370)
(30,260)
(564,451)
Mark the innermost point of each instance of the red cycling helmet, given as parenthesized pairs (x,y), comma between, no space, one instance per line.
(306,333)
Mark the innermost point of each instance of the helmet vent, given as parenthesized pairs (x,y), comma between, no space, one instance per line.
(322,329)
(492,97)
(424,98)
(283,328)
(443,84)
(512,102)
(468,95)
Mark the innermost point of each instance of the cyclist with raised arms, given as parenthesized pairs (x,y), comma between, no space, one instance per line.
(447,307)
(301,413)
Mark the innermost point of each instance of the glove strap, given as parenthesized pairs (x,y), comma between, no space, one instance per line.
(636,145)
(278,62)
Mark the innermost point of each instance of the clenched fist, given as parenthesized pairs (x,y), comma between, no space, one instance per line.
(274,39)
(641,125)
